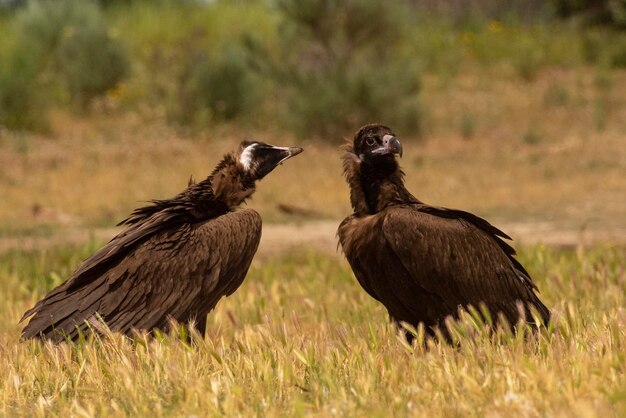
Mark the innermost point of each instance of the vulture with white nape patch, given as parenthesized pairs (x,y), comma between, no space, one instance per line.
(425,263)
(174,261)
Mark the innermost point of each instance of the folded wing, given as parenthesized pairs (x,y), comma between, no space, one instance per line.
(176,270)
(423,263)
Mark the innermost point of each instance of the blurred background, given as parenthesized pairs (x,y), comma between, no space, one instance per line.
(513,109)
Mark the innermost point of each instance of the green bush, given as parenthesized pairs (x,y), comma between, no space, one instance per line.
(21,102)
(78,53)
(612,12)
(213,89)
(338,65)
(91,62)
(527,49)
(316,67)
(189,61)
(605,48)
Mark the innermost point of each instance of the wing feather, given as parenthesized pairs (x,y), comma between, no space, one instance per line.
(423,263)
(461,259)
(180,272)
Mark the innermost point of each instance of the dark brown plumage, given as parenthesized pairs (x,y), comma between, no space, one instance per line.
(423,262)
(174,261)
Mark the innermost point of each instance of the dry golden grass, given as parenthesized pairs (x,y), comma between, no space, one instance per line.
(301,338)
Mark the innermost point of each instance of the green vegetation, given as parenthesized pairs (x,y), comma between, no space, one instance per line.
(612,12)
(320,66)
(300,337)
(337,67)
(59,52)
(190,61)
(21,104)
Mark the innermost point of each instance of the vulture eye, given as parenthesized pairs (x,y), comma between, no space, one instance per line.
(370,141)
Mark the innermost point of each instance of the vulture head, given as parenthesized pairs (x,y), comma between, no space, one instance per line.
(258,159)
(371,168)
(233,180)
(376,142)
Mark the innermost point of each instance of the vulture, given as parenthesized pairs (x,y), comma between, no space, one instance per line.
(425,263)
(174,260)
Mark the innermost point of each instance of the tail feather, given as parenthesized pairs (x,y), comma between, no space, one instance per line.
(542,310)
(62,315)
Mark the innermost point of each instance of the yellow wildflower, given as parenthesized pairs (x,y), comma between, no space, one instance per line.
(494,26)
(68,31)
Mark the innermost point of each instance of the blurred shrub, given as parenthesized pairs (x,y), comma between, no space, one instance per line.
(317,67)
(529,59)
(190,64)
(77,52)
(21,103)
(604,47)
(468,126)
(611,12)
(92,62)
(213,89)
(434,45)
(527,49)
(556,95)
(338,65)
(464,13)
(531,136)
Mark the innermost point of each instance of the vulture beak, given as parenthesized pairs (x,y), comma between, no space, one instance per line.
(391,145)
(287,152)
(263,158)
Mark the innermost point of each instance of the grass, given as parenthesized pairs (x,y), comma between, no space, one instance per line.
(300,337)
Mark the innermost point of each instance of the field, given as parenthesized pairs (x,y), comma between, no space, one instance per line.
(300,338)
(521,122)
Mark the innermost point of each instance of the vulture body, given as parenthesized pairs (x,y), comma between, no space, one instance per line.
(424,263)
(174,261)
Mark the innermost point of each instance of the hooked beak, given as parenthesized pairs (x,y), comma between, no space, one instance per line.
(287,152)
(391,145)
(271,156)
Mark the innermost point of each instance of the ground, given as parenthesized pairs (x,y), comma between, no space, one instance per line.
(300,337)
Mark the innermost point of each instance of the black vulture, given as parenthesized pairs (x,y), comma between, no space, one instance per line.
(422,262)
(174,261)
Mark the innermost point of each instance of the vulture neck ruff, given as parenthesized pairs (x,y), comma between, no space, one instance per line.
(230,183)
(375,183)
(223,191)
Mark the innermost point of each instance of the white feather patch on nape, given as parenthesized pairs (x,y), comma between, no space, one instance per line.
(246,156)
